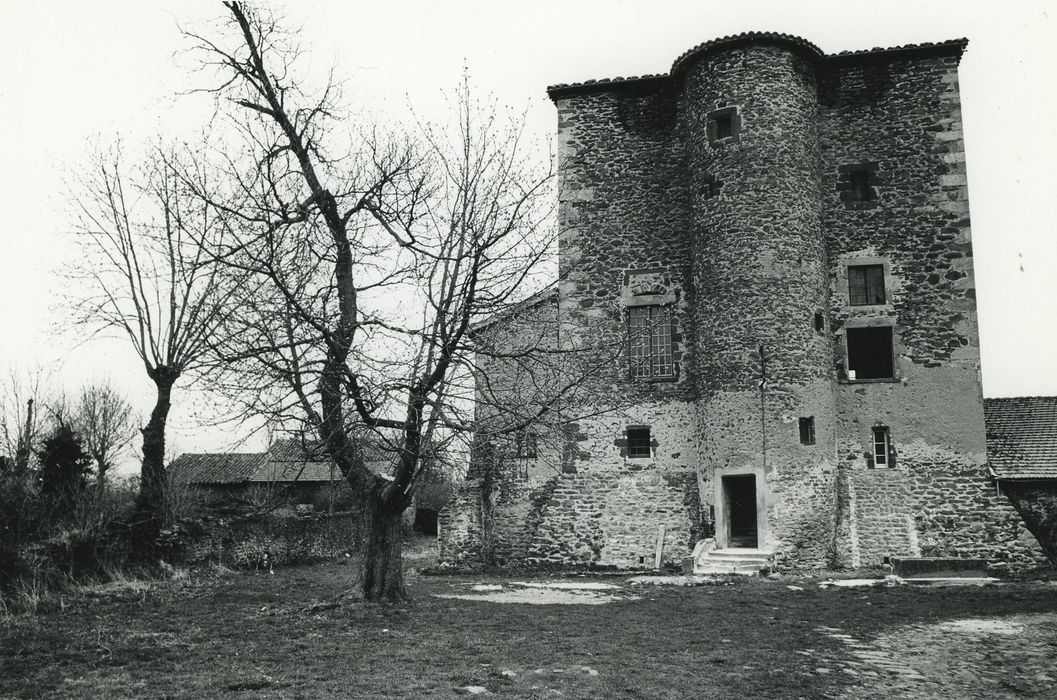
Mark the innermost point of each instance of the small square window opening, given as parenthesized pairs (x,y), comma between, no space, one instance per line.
(882,447)
(866,284)
(639,443)
(860,190)
(870,353)
(807,430)
(724,126)
(525,445)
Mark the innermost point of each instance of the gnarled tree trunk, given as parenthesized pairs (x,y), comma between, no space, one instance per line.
(380,574)
(150,504)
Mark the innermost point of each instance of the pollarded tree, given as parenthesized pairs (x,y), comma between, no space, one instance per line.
(151,281)
(376,257)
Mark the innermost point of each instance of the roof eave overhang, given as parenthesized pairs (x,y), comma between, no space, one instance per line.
(953,47)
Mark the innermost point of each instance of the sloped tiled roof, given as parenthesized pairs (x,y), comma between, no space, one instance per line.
(292,460)
(564,89)
(1022,437)
(214,468)
(285,461)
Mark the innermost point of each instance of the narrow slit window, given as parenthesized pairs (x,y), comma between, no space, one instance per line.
(882,447)
(650,342)
(866,284)
(639,442)
(820,322)
(807,430)
(870,353)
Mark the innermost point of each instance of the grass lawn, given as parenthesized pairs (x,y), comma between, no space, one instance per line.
(258,635)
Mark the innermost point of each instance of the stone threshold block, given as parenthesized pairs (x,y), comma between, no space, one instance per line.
(938,567)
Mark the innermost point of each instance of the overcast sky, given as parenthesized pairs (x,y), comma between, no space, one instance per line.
(74,71)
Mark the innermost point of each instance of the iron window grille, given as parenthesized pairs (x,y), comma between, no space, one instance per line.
(650,342)
(866,284)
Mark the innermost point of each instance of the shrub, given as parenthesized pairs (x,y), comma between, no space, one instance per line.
(334,497)
(182,501)
(64,467)
(44,547)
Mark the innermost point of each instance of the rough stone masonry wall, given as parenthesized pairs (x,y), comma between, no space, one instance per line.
(899,117)
(931,505)
(599,507)
(622,232)
(621,213)
(760,274)
(748,240)
(958,510)
(880,517)
(614,518)
(1036,502)
(460,531)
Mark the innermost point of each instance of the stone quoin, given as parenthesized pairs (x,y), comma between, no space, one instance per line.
(768,253)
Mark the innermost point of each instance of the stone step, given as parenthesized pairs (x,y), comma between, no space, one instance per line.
(731,560)
(938,567)
(738,553)
(725,569)
(755,564)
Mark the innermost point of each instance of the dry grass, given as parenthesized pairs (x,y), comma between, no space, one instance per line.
(285,635)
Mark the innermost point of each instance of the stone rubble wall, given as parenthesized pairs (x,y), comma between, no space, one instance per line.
(613,519)
(933,503)
(285,540)
(1036,502)
(460,530)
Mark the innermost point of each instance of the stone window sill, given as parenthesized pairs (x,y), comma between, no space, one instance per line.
(882,380)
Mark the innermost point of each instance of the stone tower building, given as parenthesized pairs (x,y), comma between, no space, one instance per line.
(777,243)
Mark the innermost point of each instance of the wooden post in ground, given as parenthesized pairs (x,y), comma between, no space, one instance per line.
(660,547)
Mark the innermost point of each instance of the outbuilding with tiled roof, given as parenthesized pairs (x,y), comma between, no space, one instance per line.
(1022,437)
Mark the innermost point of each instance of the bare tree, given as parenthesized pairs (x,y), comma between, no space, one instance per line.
(377,256)
(150,281)
(104,420)
(24,397)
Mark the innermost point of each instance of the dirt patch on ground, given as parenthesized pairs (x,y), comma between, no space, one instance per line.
(298,634)
(973,658)
(543,593)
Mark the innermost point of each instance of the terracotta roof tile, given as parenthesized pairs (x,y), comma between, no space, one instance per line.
(286,460)
(213,468)
(1022,437)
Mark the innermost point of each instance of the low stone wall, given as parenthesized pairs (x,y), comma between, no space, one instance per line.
(604,519)
(881,517)
(276,539)
(459,529)
(1036,501)
(936,504)
(613,518)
